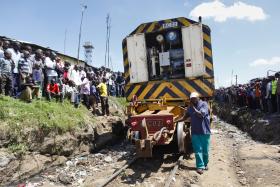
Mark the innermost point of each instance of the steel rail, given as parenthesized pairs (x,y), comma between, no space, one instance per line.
(114,175)
(173,172)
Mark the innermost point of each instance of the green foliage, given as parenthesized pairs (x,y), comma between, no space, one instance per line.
(120,101)
(23,126)
(18,148)
(48,115)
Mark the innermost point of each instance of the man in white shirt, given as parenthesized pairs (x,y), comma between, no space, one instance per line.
(50,66)
(82,72)
(16,56)
(75,76)
(85,91)
(268,95)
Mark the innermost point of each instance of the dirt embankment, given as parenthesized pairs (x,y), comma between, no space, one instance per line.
(28,147)
(262,127)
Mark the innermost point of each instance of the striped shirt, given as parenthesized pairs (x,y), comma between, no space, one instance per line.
(24,65)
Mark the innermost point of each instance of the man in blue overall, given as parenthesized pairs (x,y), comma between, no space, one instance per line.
(198,111)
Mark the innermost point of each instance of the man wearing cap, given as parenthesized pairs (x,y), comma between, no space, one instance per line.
(27,89)
(198,111)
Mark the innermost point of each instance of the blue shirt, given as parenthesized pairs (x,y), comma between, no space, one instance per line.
(92,90)
(200,125)
(37,75)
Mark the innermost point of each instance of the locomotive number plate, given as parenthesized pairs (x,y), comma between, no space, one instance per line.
(170,25)
(155,123)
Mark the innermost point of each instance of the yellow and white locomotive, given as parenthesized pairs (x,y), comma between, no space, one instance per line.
(164,61)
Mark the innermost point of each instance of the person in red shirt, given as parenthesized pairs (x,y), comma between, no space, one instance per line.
(53,91)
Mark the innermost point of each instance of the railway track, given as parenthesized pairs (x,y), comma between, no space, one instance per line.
(168,180)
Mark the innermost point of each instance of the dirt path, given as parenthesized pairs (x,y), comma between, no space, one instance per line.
(222,169)
(235,160)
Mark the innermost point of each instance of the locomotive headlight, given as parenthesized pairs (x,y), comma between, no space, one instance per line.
(160,38)
(172,36)
(168,122)
(134,123)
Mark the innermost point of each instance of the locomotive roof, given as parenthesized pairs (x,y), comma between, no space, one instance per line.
(164,24)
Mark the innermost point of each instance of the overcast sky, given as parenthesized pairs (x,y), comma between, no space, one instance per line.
(245,33)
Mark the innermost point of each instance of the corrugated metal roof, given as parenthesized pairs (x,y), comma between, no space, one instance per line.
(42,47)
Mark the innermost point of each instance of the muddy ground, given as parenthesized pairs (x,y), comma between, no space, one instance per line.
(235,160)
(90,156)
(57,150)
(261,126)
(28,151)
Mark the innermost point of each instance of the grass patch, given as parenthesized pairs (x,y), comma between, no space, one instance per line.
(41,113)
(121,101)
(18,148)
(23,126)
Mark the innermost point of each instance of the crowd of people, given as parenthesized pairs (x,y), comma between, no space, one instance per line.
(259,94)
(28,74)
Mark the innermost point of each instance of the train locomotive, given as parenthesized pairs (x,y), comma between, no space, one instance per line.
(164,61)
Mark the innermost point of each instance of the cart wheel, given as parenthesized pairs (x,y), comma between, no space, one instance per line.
(181,138)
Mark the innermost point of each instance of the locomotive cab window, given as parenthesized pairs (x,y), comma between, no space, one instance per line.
(173,53)
(165,54)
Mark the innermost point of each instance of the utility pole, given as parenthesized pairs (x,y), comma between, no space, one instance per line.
(108,34)
(111,64)
(106,48)
(84,7)
(231,77)
(65,41)
(236,80)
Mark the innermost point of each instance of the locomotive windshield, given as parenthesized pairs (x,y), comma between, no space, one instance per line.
(165,55)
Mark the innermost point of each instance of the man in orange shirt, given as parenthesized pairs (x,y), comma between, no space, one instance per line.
(258,94)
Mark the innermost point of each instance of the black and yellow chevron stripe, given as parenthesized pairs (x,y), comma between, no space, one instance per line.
(170,89)
(175,88)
